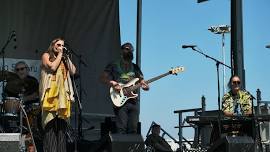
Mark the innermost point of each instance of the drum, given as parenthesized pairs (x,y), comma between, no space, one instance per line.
(32,108)
(33,112)
(11,106)
(35,108)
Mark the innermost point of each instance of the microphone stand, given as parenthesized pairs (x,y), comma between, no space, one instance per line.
(217,67)
(257,132)
(3,69)
(3,61)
(79,105)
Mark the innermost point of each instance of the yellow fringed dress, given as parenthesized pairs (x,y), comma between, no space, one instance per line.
(56,94)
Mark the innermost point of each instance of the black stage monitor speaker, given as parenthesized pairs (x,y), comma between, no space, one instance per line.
(126,143)
(9,142)
(234,144)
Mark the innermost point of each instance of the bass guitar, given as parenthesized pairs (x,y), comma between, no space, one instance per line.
(119,98)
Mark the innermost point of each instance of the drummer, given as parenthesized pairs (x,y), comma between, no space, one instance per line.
(22,83)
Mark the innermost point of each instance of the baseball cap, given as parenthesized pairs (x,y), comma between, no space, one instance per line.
(127,46)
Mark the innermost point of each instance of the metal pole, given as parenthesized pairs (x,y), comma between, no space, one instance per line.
(203,104)
(222,29)
(180,132)
(139,33)
(224,61)
(237,50)
(138,40)
(258,92)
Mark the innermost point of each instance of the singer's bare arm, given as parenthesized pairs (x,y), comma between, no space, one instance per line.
(71,67)
(52,65)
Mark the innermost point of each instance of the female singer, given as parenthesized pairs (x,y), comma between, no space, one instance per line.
(56,94)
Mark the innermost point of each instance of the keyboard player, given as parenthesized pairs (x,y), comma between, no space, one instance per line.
(236,102)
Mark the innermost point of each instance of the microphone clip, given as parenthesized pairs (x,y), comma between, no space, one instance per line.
(66,51)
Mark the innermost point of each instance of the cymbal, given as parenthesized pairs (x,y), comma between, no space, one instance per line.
(15,85)
(8,75)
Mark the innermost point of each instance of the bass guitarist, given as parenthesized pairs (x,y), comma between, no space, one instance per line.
(115,75)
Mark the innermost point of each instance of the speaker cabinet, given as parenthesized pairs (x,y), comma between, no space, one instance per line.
(126,143)
(234,144)
(9,142)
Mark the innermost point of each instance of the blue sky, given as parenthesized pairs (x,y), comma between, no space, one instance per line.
(166,26)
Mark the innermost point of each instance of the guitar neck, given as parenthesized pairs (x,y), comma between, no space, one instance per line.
(157,77)
(132,88)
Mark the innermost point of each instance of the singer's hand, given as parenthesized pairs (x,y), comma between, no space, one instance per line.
(64,57)
(60,50)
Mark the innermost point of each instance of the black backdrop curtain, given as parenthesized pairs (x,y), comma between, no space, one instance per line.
(90,27)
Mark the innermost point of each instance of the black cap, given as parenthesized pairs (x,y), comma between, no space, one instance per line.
(127,46)
(155,125)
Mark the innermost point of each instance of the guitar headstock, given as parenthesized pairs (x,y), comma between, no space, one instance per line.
(176,70)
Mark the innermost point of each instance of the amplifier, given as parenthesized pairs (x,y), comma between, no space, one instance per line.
(234,144)
(10,142)
(126,143)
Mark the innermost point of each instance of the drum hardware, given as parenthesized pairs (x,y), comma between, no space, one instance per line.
(12,112)
(5,74)
(13,115)
(22,111)
(11,107)
(33,108)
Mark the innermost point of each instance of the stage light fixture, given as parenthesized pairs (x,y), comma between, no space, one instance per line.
(220,29)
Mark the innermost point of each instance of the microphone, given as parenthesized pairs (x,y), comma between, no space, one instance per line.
(267,46)
(189,46)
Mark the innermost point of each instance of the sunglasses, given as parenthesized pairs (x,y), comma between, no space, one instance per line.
(236,82)
(20,69)
(59,45)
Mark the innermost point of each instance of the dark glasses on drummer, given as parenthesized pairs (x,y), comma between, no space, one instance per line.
(20,69)
(236,82)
